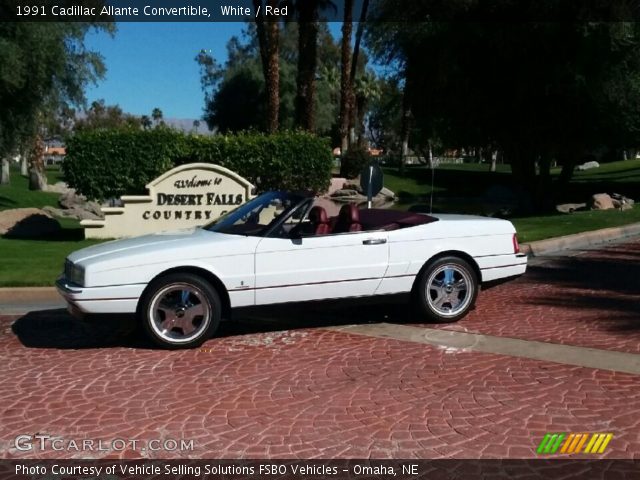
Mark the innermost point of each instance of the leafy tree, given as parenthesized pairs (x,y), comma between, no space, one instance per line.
(146,122)
(45,67)
(537,91)
(366,89)
(235,93)
(102,116)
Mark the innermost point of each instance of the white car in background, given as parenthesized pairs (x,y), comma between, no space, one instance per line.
(282,247)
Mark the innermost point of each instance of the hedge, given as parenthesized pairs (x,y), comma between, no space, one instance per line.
(109,163)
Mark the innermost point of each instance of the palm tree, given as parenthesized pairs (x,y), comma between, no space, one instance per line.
(366,89)
(196,125)
(156,114)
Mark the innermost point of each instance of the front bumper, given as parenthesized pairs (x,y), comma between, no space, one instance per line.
(107,299)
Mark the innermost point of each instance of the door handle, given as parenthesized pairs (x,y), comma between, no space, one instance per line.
(374,241)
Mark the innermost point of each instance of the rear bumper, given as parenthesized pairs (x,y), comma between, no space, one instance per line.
(502,266)
(109,299)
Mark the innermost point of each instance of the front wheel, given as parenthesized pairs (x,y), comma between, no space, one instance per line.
(180,311)
(447,289)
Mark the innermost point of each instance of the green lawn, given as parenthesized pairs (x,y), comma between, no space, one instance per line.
(531,229)
(18,195)
(36,262)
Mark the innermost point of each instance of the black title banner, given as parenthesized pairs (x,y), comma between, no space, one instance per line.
(407,11)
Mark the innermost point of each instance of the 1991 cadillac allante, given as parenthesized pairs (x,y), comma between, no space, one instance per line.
(282,247)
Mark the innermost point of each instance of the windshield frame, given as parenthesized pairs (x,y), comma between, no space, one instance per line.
(224,223)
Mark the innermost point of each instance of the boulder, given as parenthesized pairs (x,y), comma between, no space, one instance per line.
(351,185)
(59,187)
(570,207)
(77,213)
(385,192)
(27,223)
(621,202)
(587,166)
(345,192)
(70,199)
(77,206)
(601,201)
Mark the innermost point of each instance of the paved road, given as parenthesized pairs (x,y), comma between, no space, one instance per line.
(555,351)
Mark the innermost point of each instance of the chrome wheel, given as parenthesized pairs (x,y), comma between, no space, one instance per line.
(449,290)
(179,313)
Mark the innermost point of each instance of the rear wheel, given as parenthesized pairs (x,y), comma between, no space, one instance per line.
(447,289)
(180,311)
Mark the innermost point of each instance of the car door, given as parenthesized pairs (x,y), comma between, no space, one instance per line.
(320,267)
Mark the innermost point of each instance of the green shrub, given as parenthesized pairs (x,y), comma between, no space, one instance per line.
(353,162)
(109,163)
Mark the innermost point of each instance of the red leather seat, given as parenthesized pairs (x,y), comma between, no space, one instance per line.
(348,219)
(319,221)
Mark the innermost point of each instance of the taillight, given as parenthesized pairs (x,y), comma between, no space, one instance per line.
(516,246)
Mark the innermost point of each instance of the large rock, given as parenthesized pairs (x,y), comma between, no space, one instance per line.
(601,201)
(621,202)
(27,223)
(77,206)
(588,166)
(59,187)
(77,213)
(570,207)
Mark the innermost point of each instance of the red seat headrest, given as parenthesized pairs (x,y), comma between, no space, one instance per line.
(349,213)
(318,215)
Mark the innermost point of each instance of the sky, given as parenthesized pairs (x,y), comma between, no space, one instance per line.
(152,65)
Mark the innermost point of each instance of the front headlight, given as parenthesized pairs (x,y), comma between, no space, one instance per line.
(74,273)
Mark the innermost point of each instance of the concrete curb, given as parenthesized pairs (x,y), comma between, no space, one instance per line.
(19,294)
(580,240)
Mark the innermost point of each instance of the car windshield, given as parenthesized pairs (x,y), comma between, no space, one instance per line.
(256,217)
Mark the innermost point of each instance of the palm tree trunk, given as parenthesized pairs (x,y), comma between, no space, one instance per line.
(354,68)
(273,73)
(268,42)
(346,85)
(307,60)
(37,177)
(359,33)
(405,127)
(24,164)
(4,172)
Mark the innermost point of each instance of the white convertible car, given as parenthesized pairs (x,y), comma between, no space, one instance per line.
(282,247)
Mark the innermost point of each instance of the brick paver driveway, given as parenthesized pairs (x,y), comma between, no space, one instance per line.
(295,384)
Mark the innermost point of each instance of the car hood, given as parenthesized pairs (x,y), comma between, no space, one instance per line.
(154,243)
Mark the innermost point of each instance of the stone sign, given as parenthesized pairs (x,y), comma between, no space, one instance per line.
(186,196)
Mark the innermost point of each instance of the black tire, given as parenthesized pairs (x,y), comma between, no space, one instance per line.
(433,273)
(175,301)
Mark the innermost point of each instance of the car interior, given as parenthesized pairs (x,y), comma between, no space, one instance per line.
(352,219)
